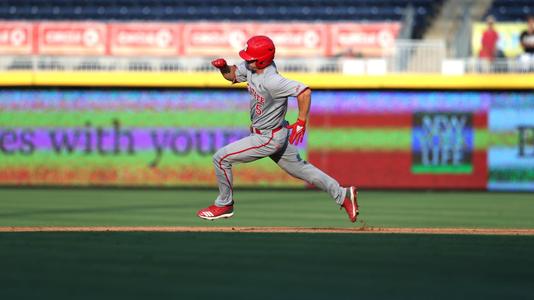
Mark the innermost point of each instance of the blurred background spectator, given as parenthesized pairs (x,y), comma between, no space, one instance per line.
(489,40)
(527,42)
(490,37)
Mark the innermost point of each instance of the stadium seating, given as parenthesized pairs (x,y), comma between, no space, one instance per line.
(511,10)
(218,10)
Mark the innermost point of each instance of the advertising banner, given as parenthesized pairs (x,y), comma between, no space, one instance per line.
(363,39)
(372,139)
(511,148)
(124,138)
(388,139)
(293,39)
(215,38)
(297,39)
(71,38)
(442,143)
(16,38)
(151,39)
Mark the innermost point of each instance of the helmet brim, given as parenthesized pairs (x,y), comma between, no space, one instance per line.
(244,55)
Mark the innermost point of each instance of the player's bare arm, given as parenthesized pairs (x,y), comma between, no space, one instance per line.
(299,127)
(304,103)
(228,72)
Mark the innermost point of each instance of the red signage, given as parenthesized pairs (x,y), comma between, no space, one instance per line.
(365,39)
(72,38)
(296,39)
(16,37)
(156,39)
(195,38)
(215,39)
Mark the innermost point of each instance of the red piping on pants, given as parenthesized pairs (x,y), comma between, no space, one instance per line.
(255,147)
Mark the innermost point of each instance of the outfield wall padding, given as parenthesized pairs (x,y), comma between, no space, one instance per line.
(314,80)
(166,137)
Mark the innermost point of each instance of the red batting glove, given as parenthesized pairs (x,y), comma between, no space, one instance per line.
(219,63)
(297,132)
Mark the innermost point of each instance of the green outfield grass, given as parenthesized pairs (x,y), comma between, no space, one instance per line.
(264,266)
(158,265)
(55,207)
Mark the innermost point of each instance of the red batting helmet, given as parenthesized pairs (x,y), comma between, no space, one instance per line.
(259,48)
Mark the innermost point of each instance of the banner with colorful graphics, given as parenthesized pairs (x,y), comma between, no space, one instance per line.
(166,137)
(508,42)
(442,143)
(124,137)
(388,139)
(511,148)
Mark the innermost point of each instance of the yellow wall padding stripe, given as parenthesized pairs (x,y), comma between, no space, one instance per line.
(16,78)
(314,81)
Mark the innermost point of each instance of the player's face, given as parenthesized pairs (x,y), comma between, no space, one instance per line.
(251,65)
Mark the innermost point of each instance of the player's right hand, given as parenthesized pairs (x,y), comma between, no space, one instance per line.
(297,131)
(219,63)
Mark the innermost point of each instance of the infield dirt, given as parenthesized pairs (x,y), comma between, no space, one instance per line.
(361,230)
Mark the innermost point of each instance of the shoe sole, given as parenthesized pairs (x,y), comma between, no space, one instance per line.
(354,202)
(225,216)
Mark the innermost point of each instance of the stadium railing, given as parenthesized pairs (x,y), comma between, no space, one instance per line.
(406,57)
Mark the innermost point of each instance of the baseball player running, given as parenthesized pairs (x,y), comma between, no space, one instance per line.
(271,135)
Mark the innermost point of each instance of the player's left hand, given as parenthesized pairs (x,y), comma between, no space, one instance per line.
(297,132)
(219,63)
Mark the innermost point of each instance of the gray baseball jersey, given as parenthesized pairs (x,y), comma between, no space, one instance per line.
(268,95)
(269,92)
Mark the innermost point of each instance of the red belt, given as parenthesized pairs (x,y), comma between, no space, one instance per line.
(252,129)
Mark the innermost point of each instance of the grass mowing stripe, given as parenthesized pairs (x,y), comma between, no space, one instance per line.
(266,266)
(267,207)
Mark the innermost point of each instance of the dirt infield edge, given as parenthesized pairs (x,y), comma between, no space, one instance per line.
(480,231)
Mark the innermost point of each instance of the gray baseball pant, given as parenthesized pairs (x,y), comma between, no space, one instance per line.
(274,144)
